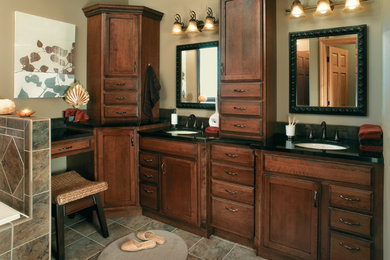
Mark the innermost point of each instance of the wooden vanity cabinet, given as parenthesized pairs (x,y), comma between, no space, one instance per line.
(173,182)
(313,207)
(247,92)
(123,41)
(232,197)
(116,165)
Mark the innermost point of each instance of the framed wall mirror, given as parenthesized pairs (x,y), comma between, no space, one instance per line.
(328,71)
(197,75)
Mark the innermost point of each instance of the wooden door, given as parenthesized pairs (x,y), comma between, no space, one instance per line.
(179,189)
(303,98)
(241,40)
(291,216)
(121,45)
(338,77)
(116,166)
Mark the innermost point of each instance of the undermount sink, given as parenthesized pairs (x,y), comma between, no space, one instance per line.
(182,132)
(321,146)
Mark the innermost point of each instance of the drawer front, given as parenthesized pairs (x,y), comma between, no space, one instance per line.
(345,247)
(233,174)
(120,98)
(148,159)
(234,192)
(148,196)
(242,108)
(74,145)
(120,111)
(352,173)
(233,217)
(351,222)
(250,90)
(120,84)
(245,126)
(148,175)
(351,198)
(182,149)
(233,154)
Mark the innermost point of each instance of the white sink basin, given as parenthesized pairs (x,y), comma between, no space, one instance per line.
(321,146)
(182,132)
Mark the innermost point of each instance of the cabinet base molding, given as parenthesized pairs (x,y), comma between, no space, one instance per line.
(233,237)
(187,227)
(122,212)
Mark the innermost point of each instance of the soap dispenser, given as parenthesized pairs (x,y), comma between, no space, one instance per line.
(174,119)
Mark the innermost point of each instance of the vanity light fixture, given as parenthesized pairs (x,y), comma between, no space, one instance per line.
(324,8)
(178,26)
(194,26)
(210,21)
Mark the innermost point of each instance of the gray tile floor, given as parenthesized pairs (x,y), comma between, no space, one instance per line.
(84,242)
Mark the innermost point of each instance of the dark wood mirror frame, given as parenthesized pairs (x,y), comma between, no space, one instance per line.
(179,49)
(361,108)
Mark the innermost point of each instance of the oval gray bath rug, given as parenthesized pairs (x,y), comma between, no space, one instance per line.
(173,248)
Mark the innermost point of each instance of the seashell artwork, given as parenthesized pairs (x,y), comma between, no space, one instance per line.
(77,95)
(7,106)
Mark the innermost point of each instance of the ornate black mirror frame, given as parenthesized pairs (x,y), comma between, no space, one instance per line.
(361,108)
(179,49)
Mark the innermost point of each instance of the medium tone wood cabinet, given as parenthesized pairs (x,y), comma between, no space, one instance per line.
(123,41)
(313,207)
(247,92)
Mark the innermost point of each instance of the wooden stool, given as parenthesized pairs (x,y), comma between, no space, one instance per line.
(69,187)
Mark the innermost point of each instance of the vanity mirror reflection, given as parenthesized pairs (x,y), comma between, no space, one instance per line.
(197,75)
(328,71)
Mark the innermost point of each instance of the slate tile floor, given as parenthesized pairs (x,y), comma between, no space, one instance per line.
(84,242)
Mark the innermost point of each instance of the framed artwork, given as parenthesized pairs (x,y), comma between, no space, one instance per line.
(44,56)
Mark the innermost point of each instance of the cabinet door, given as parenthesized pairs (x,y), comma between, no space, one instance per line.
(116,167)
(179,189)
(291,216)
(121,45)
(241,40)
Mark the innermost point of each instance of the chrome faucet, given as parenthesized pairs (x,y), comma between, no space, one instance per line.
(323,125)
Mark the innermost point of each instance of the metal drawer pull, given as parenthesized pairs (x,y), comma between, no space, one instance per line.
(230,209)
(239,108)
(148,176)
(239,90)
(349,199)
(120,98)
(348,247)
(120,84)
(148,160)
(240,126)
(315,199)
(148,191)
(231,192)
(163,168)
(65,148)
(348,223)
(231,155)
(231,173)
(121,112)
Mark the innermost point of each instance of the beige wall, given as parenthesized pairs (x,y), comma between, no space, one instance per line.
(372,17)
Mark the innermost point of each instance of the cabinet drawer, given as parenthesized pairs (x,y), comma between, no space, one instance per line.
(242,108)
(233,154)
(345,247)
(233,174)
(148,159)
(233,217)
(234,192)
(242,126)
(148,196)
(148,175)
(351,198)
(120,111)
(250,90)
(120,84)
(352,173)
(182,149)
(120,98)
(62,147)
(350,222)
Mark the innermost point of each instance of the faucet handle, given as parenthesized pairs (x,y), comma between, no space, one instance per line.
(336,136)
(311,134)
(195,124)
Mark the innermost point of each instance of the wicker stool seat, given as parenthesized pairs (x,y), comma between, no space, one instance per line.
(70,186)
(66,189)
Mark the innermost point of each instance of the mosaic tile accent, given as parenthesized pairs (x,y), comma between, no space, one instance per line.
(13,166)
